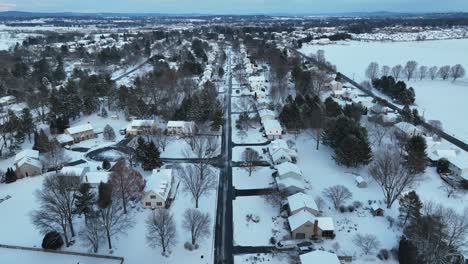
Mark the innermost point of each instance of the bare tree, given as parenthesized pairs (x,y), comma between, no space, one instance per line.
(197,179)
(320,203)
(161,230)
(377,133)
(396,71)
(56,156)
(245,104)
(275,198)
(457,71)
(92,234)
(161,139)
(56,199)
(389,172)
(433,72)
(385,70)
(372,70)
(367,243)
(250,158)
(410,69)
(444,72)
(197,223)
(127,183)
(337,194)
(422,72)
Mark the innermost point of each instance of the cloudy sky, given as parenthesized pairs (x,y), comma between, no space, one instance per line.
(234,6)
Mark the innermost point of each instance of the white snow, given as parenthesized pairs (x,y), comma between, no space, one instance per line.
(261,178)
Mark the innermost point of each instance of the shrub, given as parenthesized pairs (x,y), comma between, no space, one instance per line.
(273,240)
(350,208)
(464,184)
(383,254)
(357,204)
(52,240)
(342,208)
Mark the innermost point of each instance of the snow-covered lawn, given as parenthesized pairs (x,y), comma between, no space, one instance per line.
(261,178)
(24,257)
(251,136)
(237,152)
(263,258)
(249,233)
(440,100)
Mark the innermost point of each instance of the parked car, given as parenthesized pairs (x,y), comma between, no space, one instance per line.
(286,244)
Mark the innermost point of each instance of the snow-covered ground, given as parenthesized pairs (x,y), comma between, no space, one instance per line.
(249,233)
(251,136)
(237,152)
(439,100)
(260,178)
(263,258)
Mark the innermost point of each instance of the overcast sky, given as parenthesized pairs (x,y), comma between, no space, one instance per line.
(234,6)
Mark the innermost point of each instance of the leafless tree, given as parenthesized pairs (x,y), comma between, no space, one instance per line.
(396,71)
(92,234)
(377,133)
(318,79)
(56,199)
(161,230)
(457,71)
(321,56)
(56,156)
(161,139)
(198,180)
(367,243)
(372,70)
(320,203)
(389,172)
(410,69)
(275,198)
(422,72)
(245,104)
(433,72)
(250,158)
(444,72)
(337,194)
(386,70)
(197,223)
(127,183)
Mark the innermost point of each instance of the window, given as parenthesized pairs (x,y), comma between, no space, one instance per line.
(300,236)
(148,204)
(152,196)
(158,204)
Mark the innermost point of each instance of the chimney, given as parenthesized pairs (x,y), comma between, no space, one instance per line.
(316,228)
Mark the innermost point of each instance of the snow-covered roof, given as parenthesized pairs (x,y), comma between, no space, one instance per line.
(180,124)
(271,126)
(96,177)
(74,171)
(301,200)
(359,179)
(266,112)
(30,161)
(305,217)
(286,183)
(319,257)
(27,153)
(375,206)
(142,123)
(6,99)
(79,129)
(408,129)
(160,182)
(64,138)
(288,167)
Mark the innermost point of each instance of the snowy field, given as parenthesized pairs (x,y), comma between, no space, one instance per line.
(251,136)
(237,152)
(439,100)
(261,178)
(249,233)
(263,258)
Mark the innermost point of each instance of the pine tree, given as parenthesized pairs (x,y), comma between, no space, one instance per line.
(104,112)
(416,159)
(352,152)
(332,108)
(407,252)
(217,120)
(106,164)
(152,158)
(41,142)
(84,201)
(109,133)
(410,208)
(10,176)
(27,123)
(140,150)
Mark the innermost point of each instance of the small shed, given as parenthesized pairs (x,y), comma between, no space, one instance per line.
(360,182)
(377,210)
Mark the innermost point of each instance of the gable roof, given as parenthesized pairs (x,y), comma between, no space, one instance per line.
(160,182)
(288,167)
(96,177)
(27,153)
(304,217)
(301,200)
(272,125)
(30,161)
(319,257)
(79,129)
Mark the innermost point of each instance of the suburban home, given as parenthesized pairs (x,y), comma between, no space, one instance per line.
(65,140)
(81,132)
(94,178)
(377,210)
(27,163)
(7,100)
(273,129)
(257,83)
(280,152)
(407,129)
(302,202)
(180,127)
(289,170)
(136,127)
(266,114)
(459,166)
(319,257)
(75,172)
(305,225)
(360,182)
(290,186)
(158,189)
(335,86)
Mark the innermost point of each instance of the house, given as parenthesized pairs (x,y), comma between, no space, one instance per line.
(74,172)
(136,127)
(377,210)
(27,163)
(360,182)
(180,127)
(289,170)
(94,178)
(302,202)
(290,186)
(280,152)
(257,83)
(319,257)
(459,166)
(158,189)
(7,100)
(304,225)
(273,129)
(407,129)
(81,132)
(65,140)
(266,114)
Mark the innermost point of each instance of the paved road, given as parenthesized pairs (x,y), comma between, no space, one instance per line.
(224,221)
(254,192)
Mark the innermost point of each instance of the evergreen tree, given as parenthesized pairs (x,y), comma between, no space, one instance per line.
(407,252)
(27,124)
(140,150)
(10,176)
(59,73)
(332,108)
(106,164)
(152,158)
(416,159)
(352,151)
(84,201)
(217,120)
(410,208)
(407,114)
(41,142)
(109,133)
(290,116)
(104,112)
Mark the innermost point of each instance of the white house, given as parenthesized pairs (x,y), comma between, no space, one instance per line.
(289,170)
(74,172)
(94,178)
(290,186)
(257,83)
(180,127)
(302,202)
(273,129)
(305,225)
(319,257)
(27,163)
(407,129)
(459,166)
(81,132)
(65,139)
(266,114)
(158,189)
(280,152)
(138,126)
